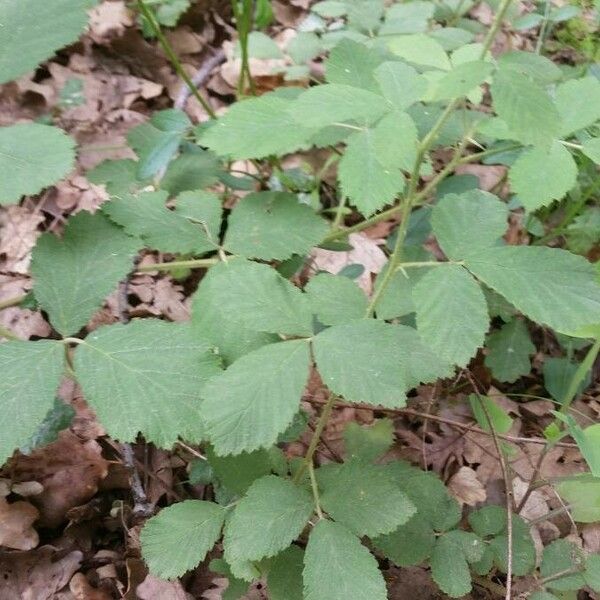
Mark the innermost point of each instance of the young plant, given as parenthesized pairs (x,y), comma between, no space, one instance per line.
(232,379)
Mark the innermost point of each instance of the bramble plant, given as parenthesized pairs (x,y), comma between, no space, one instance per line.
(401,83)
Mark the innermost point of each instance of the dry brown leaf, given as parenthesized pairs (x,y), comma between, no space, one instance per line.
(109,19)
(153,588)
(18,234)
(82,590)
(489,176)
(16,520)
(365,251)
(36,574)
(70,471)
(466,488)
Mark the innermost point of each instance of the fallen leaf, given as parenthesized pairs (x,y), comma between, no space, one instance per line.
(18,234)
(109,19)
(68,469)
(466,488)
(365,252)
(153,588)
(82,590)
(16,520)
(36,574)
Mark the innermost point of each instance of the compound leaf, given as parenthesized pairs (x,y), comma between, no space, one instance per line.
(179,537)
(550,286)
(338,567)
(32,156)
(452,316)
(400,83)
(364,498)
(479,213)
(509,350)
(375,362)
(335,299)
(352,63)
(32,31)
(74,275)
(541,175)
(256,398)
(29,376)
(284,579)
(578,102)
(273,225)
(266,520)
(135,388)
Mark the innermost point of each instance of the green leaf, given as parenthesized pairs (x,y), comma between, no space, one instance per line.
(119,177)
(501,422)
(273,225)
(558,374)
(592,572)
(192,170)
(32,156)
(32,31)
(253,296)
(489,520)
(74,275)
(331,103)
(237,473)
(542,595)
(29,376)
(266,520)
(452,316)
(369,171)
(449,567)
(591,148)
(420,49)
(561,555)
(582,492)
(578,102)
(427,492)
(133,388)
(256,398)
(526,108)
(523,548)
(410,17)
(368,442)
(256,128)
(364,498)
(509,350)
(236,588)
(374,362)
(400,83)
(191,228)
(284,579)
(179,537)
(335,299)
(542,175)
(550,286)
(59,417)
(410,544)
(338,567)
(539,68)
(352,63)
(461,80)
(480,213)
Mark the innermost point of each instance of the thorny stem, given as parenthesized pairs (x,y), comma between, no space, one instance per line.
(315,489)
(507,486)
(314,442)
(496,24)
(196,263)
(168,50)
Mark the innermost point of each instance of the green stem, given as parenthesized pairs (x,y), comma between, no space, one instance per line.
(243,22)
(15,301)
(197,263)
(428,263)
(315,489)
(579,376)
(314,441)
(168,50)
(491,34)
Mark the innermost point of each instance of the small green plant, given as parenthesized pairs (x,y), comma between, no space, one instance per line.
(401,83)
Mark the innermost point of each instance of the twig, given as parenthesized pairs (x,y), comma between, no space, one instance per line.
(532,480)
(507,486)
(141,504)
(174,60)
(465,426)
(199,78)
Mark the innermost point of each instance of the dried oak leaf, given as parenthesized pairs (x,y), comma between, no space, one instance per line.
(70,471)
(153,587)
(82,590)
(37,574)
(16,525)
(466,488)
